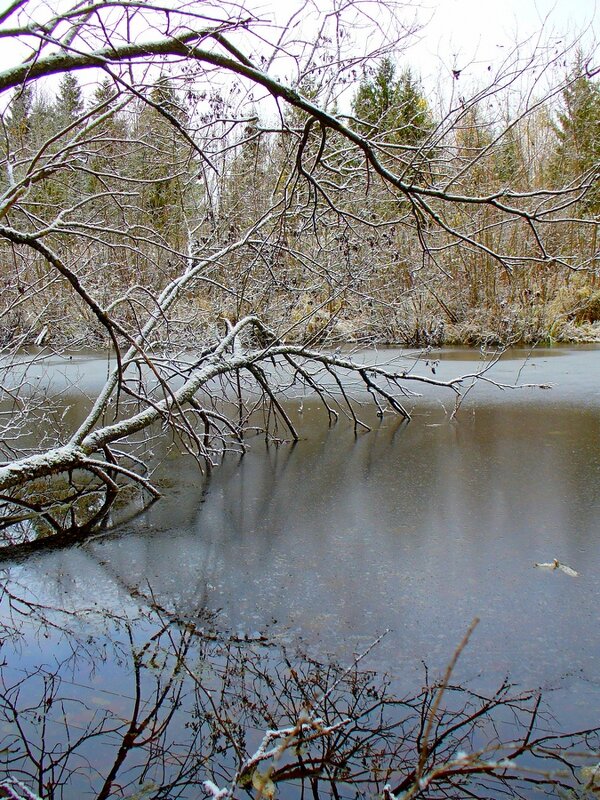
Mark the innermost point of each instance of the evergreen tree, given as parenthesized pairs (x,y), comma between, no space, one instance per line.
(104,92)
(578,136)
(509,159)
(30,124)
(42,124)
(108,139)
(19,122)
(243,188)
(414,119)
(164,96)
(163,164)
(66,183)
(394,108)
(69,101)
(395,112)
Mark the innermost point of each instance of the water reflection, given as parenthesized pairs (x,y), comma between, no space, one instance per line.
(415,528)
(151,708)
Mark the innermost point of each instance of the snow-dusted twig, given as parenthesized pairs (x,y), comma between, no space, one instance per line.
(12,789)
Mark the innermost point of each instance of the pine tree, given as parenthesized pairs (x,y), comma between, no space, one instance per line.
(163,164)
(395,112)
(69,101)
(108,137)
(164,96)
(509,160)
(393,108)
(19,122)
(245,179)
(104,92)
(414,119)
(577,129)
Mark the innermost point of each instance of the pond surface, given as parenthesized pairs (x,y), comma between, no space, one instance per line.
(415,529)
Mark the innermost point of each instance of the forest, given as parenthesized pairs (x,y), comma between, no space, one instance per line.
(468,219)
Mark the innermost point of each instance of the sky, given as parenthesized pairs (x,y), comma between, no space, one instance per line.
(463,35)
(466,33)
(476,38)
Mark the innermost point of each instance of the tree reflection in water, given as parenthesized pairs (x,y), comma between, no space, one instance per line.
(156,706)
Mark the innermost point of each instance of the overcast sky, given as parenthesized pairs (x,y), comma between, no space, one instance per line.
(467,35)
(463,32)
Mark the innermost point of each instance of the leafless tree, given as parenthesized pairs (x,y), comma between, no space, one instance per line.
(212,313)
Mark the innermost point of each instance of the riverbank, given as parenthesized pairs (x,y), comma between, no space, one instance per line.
(503,326)
(419,318)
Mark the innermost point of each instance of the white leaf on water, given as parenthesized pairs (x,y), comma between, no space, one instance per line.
(555,564)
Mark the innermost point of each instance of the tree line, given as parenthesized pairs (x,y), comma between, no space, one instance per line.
(136,186)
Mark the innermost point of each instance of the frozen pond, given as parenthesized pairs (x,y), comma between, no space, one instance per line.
(414,528)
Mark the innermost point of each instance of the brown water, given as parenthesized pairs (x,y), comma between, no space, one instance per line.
(414,528)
